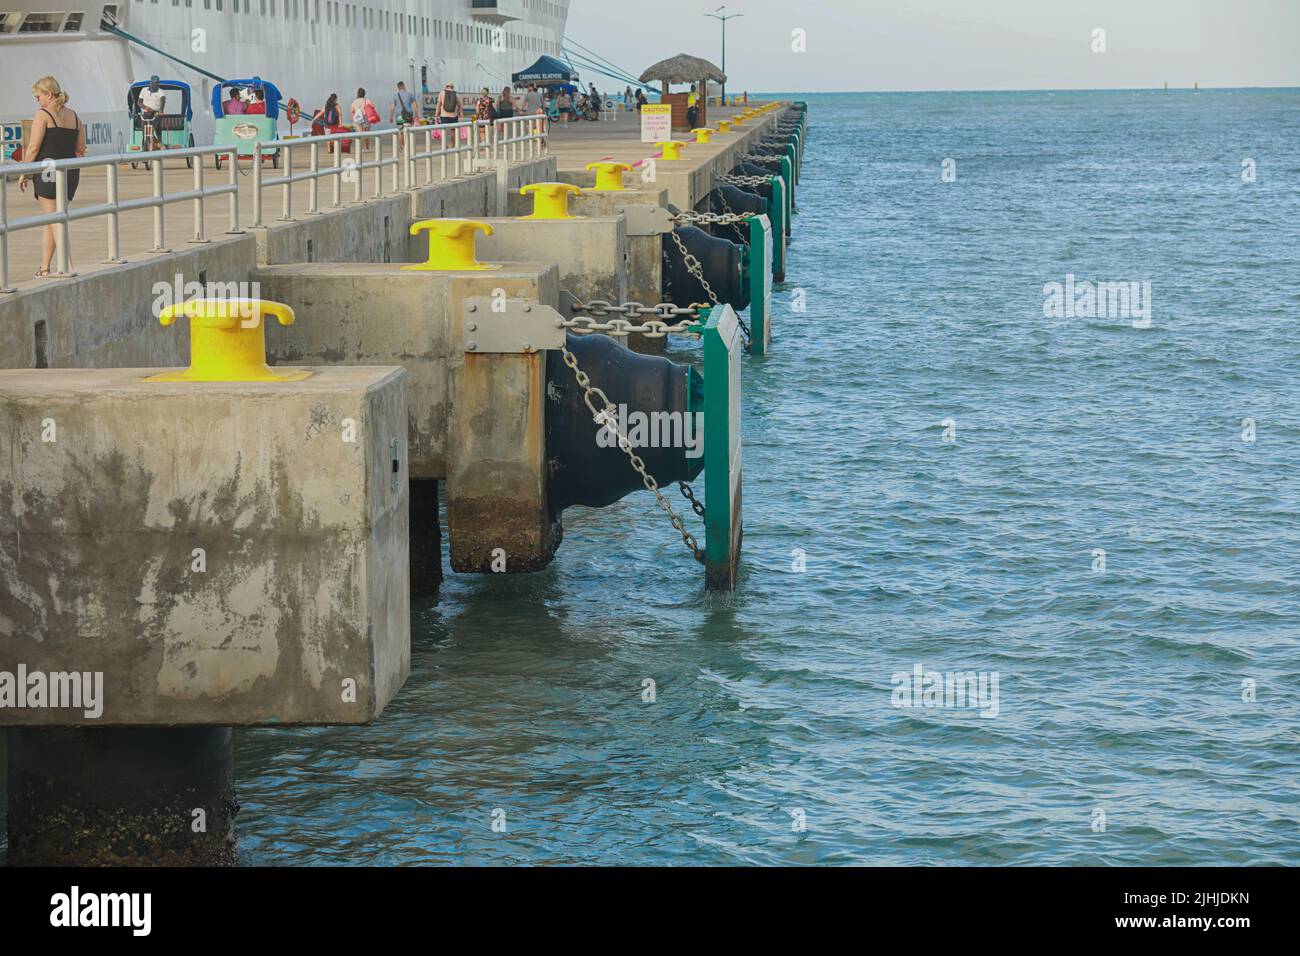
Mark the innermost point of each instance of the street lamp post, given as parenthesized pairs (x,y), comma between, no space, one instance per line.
(722,18)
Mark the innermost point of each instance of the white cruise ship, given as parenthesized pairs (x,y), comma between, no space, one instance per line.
(307,48)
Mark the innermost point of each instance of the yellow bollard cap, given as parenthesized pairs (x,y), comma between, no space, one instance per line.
(550,200)
(609,176)
(672,149)
(724,126)
(451,245)
(228,341)
(703,133)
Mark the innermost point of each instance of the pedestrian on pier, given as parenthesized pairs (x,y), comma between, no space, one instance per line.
(448,108)
(403,110)
(57,133)
(506,104)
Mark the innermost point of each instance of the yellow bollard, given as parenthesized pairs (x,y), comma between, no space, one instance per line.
(451,245)
(550,200)
(228,341)
(724,126)
(703,133)
(609,176)
(671,149)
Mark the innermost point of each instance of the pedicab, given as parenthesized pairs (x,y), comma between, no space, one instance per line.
(246,129)
(169,129)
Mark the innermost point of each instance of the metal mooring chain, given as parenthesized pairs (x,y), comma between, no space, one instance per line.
(655,328)
(727,218)
(731,180)
(608,416)
(689,494)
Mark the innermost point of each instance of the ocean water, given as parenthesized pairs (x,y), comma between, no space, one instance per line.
(949,466)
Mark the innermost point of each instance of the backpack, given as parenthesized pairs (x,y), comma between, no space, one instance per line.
(449,102)
(372,114)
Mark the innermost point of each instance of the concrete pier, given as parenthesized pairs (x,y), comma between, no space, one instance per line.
(190,548)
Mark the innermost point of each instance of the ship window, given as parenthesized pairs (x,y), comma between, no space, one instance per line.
(41,23)
(74,23)
(218,5)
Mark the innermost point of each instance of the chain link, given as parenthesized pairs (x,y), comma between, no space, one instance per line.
(608,416)
(689,494)
(727,218)
(732,180)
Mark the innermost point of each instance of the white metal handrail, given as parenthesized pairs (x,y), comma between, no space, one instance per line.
(510,139)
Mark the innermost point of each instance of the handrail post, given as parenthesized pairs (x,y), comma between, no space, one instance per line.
(286,203)
(61,204)
(257,183)
(234,192)
(358,154)
(197,163)
(378,140)
(4,236)
(338,172)
(313,184)
(114,235)
(443,158)
(428,157)
(398,158)
(408,164)
(158,231)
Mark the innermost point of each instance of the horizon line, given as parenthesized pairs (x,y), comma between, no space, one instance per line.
(1040,89)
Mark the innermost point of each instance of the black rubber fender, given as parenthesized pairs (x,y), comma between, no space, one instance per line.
(764,188)
(582,472)
(720,261)
(734,199)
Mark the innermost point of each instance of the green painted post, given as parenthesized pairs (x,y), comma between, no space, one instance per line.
(777,212)
(787,172)
(760,284)
(723,530)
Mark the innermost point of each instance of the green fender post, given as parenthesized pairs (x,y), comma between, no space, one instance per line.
(778,212)
(723,530)
(787,172)
(760,284)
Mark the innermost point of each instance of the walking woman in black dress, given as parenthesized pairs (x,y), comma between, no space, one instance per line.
(57,133)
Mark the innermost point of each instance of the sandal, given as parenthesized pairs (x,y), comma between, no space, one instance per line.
(42,274)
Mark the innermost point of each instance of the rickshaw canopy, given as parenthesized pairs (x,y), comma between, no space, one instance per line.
(133,95)
(256,83)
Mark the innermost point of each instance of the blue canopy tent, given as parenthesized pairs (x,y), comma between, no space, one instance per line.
(547,71)
(268,89)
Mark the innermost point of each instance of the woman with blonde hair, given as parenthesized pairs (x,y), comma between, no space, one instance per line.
(57,133)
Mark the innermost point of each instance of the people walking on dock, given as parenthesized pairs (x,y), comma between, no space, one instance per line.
(328,115)
(448,107)
(361,110)
(403,111)
(57,133)
(533,100)
(485,108)
(505,104)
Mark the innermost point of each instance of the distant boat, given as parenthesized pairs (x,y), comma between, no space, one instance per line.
(1166,84)
(1196,87)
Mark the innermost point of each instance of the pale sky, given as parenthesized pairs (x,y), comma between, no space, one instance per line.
(956,44)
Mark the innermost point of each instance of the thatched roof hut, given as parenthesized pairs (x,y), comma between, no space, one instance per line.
(682,69)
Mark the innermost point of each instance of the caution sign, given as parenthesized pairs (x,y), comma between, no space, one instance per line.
(656,122)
